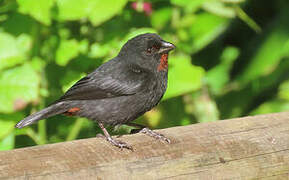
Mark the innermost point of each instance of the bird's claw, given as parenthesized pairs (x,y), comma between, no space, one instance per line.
(155,135)
(116,143)
(119,144)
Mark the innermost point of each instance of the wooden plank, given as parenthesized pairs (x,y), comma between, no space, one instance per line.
(241,148)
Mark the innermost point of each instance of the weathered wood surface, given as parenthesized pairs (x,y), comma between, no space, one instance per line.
(243,148)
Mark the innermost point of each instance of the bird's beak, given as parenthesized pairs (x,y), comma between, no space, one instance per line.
(166,47)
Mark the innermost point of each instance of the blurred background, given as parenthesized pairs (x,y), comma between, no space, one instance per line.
(232,59)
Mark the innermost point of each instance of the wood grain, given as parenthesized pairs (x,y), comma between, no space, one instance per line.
(243,148)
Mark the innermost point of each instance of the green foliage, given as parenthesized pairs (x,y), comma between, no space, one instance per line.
(18,86)
(270,52)
(97,11)
(183,77)
(39,9)
(16,52)
(232,59)
(219,76)
(67,50)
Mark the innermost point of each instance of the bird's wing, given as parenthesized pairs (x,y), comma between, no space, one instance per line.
(100,85)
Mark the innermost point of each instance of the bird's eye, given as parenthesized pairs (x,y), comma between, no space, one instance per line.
(156,47)
(149,50)
(153,48)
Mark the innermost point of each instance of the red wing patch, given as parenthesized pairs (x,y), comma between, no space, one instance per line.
(163,66)
(72,111)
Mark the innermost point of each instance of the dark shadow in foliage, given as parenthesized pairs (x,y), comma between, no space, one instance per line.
(17,20)
(241,102)
(244,37)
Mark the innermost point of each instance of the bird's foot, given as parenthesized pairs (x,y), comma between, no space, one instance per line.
(155,135)
(119,144)
(112,141)
(116,143)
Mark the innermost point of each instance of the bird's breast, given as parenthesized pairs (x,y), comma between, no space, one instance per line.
(163,65)
(156,89)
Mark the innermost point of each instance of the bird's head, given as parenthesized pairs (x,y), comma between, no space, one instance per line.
(148,51)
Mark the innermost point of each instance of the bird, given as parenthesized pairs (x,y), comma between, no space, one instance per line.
(118,91)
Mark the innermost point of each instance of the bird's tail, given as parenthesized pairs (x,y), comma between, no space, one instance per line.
(52,110)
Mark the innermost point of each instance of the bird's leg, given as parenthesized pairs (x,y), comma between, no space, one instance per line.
(149,132)
(114,142)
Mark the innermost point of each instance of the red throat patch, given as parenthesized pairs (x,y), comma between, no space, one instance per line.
(163,66)
(72,111)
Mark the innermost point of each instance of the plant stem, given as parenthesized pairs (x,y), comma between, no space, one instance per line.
(42,131)
(31,133)
(75,129)
(249,21)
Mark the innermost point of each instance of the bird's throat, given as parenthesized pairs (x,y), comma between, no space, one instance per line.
(163,66)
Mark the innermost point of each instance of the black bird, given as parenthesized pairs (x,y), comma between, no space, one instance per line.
(118,91)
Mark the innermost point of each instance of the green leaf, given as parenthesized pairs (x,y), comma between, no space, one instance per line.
(39,9)
(218,76)
(186,21)
(104,10)
(18,86)
(286,49)
(219,8)
(98,51)
(205,29)
(37,63)
(7,143)
(161,17)
(67,50)
(6,128)
(272,106)
(284,90)
(233,1)
(189,5)
(8,121)
(97,11)
(74,9)
(180,2)
(183,77)
(7,134)
(13,50)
